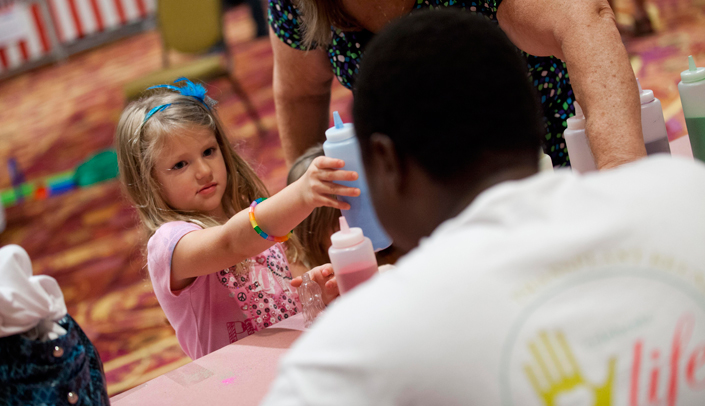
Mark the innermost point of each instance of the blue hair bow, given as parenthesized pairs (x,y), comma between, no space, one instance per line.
(197,91)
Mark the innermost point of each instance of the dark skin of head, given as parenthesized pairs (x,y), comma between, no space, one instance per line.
(411,204)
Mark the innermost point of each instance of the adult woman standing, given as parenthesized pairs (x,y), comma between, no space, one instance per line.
(310,36)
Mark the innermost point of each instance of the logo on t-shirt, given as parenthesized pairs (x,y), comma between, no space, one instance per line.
(627,336)
(655,374)
(559,374)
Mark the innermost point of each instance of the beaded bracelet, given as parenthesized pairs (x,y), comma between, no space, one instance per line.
(256,227)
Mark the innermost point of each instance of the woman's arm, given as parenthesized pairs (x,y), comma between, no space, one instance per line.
(302,81)
(583,33)
(209,250)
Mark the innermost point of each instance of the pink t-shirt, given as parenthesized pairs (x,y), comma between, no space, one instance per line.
(220,308)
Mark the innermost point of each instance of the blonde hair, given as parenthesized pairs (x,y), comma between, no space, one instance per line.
(318,16)
(139,142)
(314,232)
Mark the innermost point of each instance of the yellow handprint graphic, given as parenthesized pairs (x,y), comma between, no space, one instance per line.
(560,382)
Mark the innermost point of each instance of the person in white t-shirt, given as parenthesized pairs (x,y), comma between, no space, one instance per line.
(520,288)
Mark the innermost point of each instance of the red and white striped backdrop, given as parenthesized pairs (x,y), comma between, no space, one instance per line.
(26,35)
(76,19)
(72,20)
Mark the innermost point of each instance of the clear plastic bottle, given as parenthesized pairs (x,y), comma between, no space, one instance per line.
(653,125)
(352,257)
(581,158)
(692,91)
(310,295)
(341,143)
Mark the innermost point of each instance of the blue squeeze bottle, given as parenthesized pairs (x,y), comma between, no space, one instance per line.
(342,144)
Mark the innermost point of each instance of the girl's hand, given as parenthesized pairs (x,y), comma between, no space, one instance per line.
(323,276)
(317,183)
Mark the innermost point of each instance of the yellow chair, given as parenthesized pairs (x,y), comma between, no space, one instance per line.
(192,27)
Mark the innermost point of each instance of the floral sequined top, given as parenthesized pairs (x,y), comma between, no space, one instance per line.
(225,306)
(548,74)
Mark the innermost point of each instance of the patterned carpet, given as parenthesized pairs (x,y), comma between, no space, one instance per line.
(89,239)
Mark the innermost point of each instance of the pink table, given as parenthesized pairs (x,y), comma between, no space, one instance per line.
(239,374)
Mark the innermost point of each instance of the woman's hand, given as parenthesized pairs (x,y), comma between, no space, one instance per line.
(323,276)
(318,187)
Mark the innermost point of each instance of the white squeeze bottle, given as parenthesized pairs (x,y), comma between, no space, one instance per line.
(342,143)
(545,162)
(581,159)
(352,257)
(692,90)
(653,126)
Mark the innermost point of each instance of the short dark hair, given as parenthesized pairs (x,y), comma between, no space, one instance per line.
(451,91)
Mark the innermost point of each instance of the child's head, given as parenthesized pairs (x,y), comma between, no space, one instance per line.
(314,232)
(177,164)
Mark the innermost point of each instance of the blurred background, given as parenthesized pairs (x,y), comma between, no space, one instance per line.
(68,68)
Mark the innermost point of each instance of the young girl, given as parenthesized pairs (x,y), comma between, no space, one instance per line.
(216,268)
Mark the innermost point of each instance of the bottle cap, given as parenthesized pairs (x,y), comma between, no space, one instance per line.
(340,131)
(545,162)
(347,236)
(305,277)
(577,122)
(693,74)
(647,96)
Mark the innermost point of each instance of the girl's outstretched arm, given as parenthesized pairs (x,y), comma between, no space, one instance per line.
(212,249)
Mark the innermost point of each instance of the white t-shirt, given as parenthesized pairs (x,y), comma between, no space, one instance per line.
(554,290)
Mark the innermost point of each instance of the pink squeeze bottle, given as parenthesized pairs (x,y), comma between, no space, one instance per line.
(352,257)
